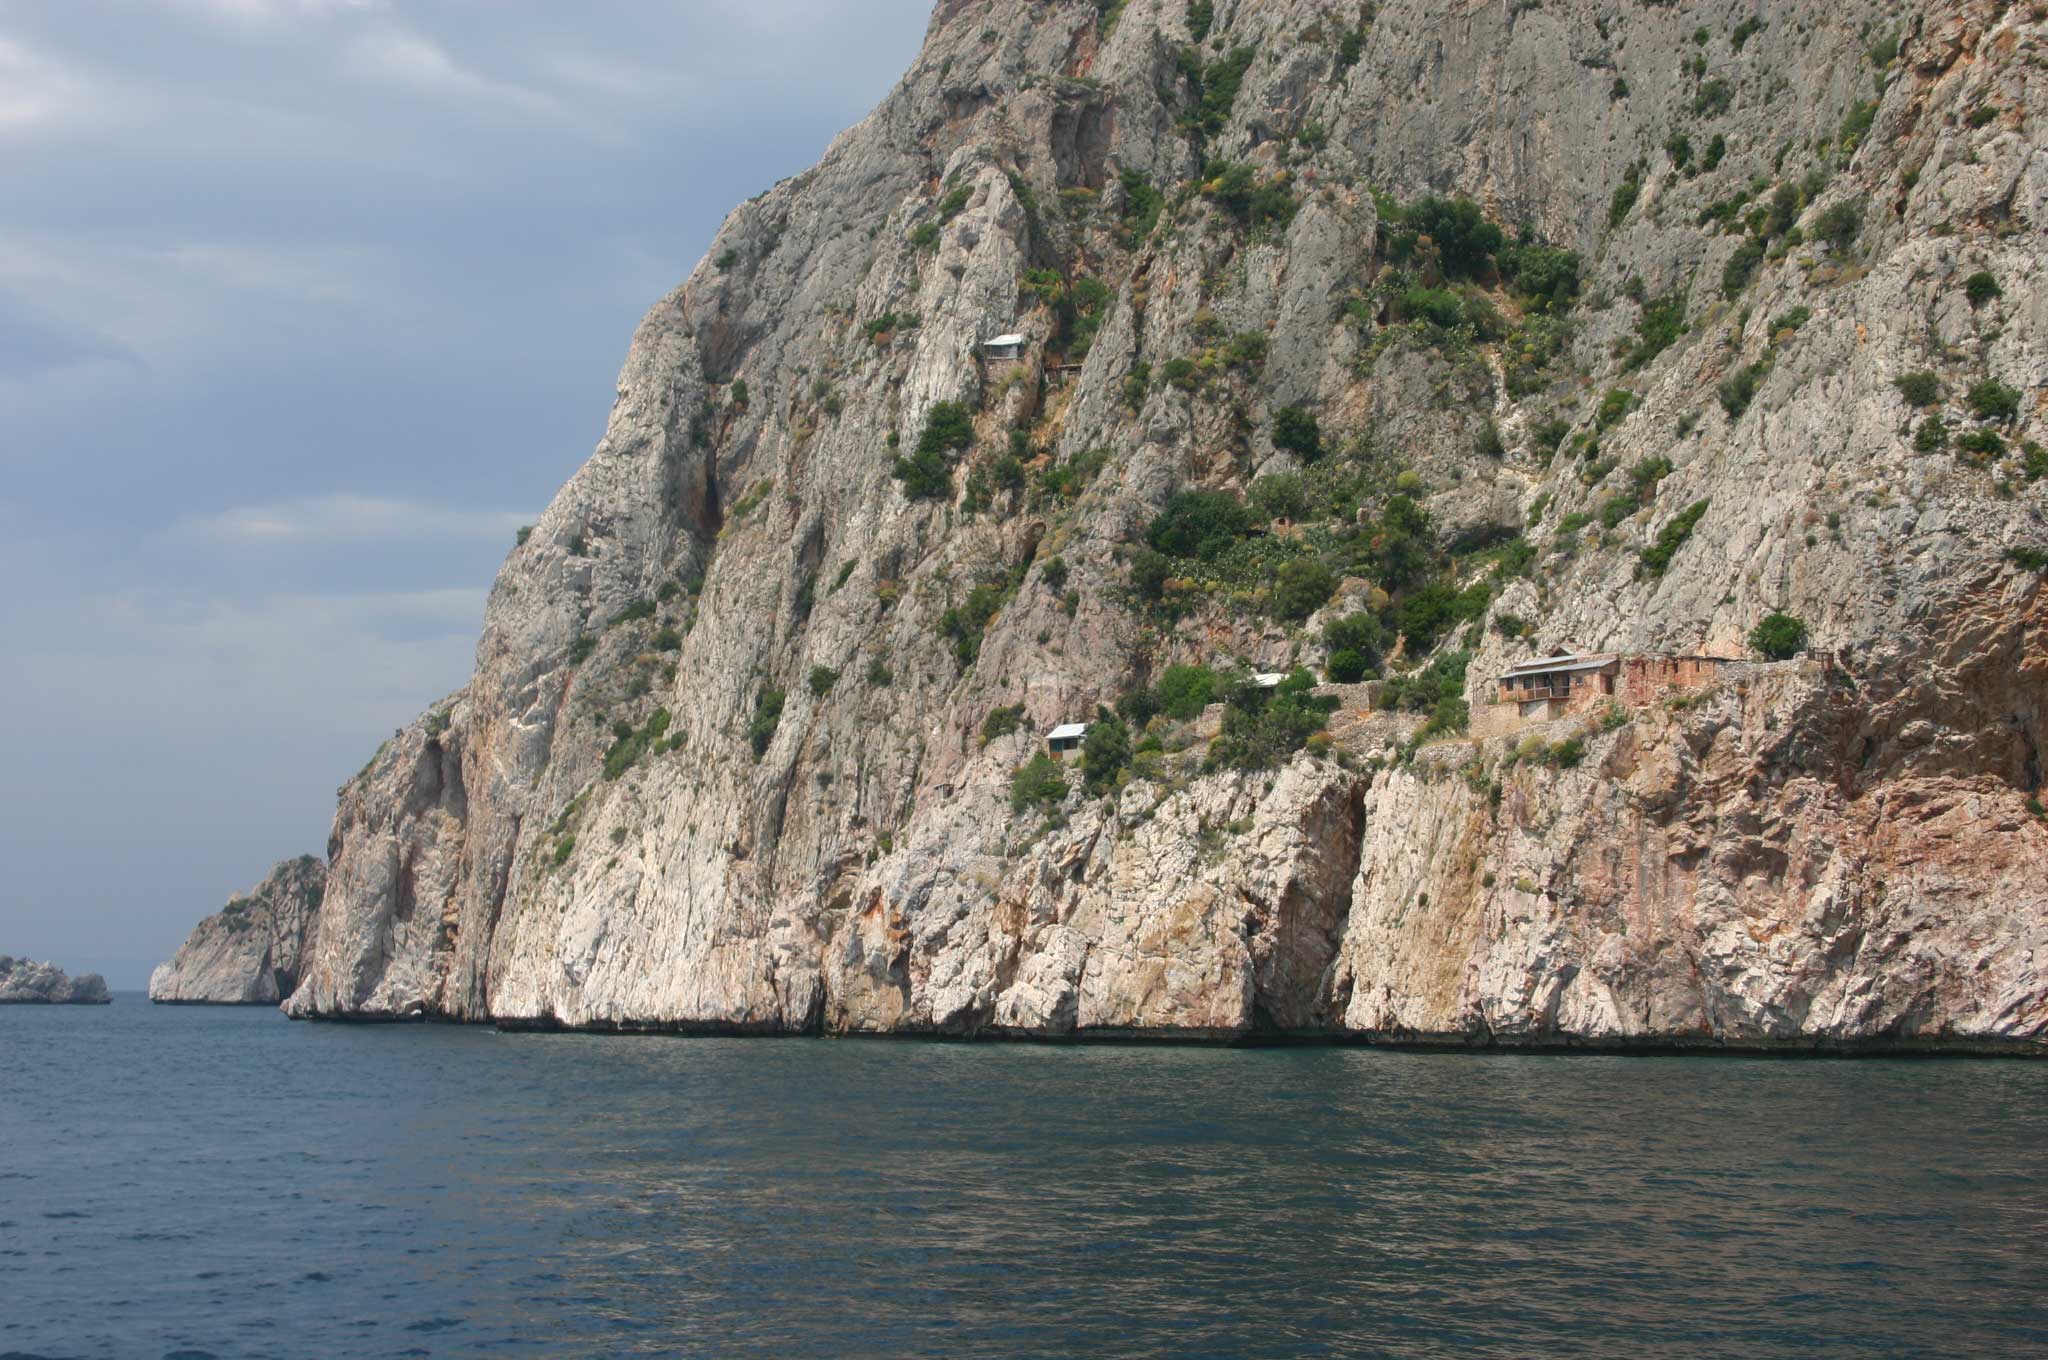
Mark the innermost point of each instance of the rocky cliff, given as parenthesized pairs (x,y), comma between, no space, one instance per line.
(24,982)
(1398,342)
(250,951)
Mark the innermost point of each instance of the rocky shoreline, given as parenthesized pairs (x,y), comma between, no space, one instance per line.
(1669,1046)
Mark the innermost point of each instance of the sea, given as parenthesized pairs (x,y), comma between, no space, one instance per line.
(222,1182)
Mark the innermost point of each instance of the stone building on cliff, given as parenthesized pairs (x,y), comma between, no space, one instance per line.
(1558,686)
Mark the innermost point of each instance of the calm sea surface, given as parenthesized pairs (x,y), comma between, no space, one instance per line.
(227,1183)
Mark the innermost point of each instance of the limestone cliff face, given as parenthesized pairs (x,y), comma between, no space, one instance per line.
(249,952)
(24,982)
(721,763)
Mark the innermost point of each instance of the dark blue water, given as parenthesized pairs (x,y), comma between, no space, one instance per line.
(229,1183)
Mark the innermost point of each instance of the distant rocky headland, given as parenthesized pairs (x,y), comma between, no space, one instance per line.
(247,953)
(24,982)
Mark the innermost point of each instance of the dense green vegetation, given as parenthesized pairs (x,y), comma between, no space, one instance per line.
(1657,557)
(767,717)
(927,474)
(1037,783)
(1778,637)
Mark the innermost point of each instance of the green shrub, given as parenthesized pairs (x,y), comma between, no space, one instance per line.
(1544,275)
(1713,99)
(1790,321)
(1142,205)
(642,608)
(1247,349)
(1183,691)
(1856,123)
(1001,722)
(1261,728)
(1624,199)
(1236,188)
(1739,389)
(1741,267)
(1295,430)
(1613,406)
(1038,782)
(1465,241)
(1201,13)
(1839,225)
(1678,147)
(1150,571)
(1358,636)
(1346,667)
(1983,444)
(1778,637)
(1303,586)
(726,260)
(1980,288)
(580,648)
(1200,524)
(954,203)
(822,678)
(1657,557)
(925,236)
(1279,495)
(1217,85)
(879,674)
(666,639)
(2033,461)
(1486,443)
(1993,400)
(1105,751)
(1931,436)
(629,744)
(1657,329)
(964,624)
(1920,387)
(767,717)
(927,474)
(2028,559)
(1438,690)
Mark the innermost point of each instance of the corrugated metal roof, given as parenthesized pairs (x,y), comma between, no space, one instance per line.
(1066,730)
(1268,679)
(1552,664)
(1003,340)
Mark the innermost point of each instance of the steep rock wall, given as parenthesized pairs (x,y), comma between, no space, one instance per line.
(587,834)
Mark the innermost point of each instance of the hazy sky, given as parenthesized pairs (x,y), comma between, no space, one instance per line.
(305,306)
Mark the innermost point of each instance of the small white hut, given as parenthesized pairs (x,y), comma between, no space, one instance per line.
(1066,737)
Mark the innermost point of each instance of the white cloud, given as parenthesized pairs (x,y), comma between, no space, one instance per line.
(415,62)
(345,517)
(34,89)
(259,271)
